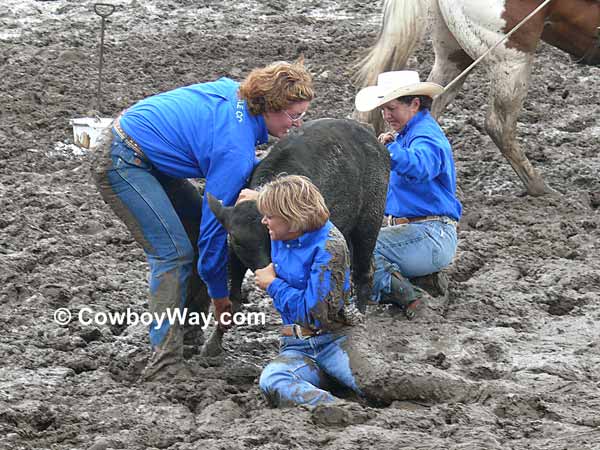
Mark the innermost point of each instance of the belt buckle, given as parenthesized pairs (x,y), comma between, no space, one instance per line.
(399,221)
(448,220)
(297,332)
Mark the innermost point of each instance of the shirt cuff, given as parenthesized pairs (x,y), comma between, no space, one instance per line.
(273,289)
(397,155)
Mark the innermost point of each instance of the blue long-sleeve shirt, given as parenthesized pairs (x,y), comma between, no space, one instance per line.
(423,177)
(201,131)
(313,278)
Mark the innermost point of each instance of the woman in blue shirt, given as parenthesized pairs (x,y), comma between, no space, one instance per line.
(309,282)
(206,130)
(422,210)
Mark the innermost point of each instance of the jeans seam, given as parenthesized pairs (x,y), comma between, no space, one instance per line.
(438,247)
(122,147)
(295,369)
(180,254)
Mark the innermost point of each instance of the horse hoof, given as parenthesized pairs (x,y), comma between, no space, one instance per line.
(539,189)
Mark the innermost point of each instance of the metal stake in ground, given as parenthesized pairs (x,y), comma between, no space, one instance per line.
(103,10)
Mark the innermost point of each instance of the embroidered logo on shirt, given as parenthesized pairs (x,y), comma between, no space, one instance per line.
(239,114)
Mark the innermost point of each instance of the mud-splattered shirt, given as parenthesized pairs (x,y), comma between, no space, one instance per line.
(313,279)
(201,131)
(423,177)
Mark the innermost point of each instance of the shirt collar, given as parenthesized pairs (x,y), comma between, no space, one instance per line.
(414,120)
(259,126)
(260,129)
(309,238)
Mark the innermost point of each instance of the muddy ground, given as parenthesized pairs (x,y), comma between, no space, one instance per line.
(513,364)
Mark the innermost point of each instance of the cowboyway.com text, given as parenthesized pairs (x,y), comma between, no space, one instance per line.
(87,316)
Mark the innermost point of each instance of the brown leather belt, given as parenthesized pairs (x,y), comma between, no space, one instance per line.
(391,220)
(298,332)
(126,139)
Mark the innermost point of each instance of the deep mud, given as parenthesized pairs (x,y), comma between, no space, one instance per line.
(511,362)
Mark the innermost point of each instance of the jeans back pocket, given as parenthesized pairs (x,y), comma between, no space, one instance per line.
(124,156)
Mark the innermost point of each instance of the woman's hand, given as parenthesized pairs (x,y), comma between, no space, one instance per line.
(223,312)
(265,276)
(247,194)
(386,138)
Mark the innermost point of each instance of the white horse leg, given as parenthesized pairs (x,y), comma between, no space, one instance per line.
(450,61)
(443,72)
(509,83)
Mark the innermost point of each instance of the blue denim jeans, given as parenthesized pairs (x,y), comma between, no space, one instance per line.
(305,368)
(163,214)
(413,250)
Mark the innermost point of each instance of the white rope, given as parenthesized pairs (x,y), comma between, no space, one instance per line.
(464,72)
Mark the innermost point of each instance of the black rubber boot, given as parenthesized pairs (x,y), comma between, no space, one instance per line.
(193,339)
(404,295)
(436,284)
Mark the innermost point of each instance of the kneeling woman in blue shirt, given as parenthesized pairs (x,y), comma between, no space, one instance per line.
(422,209)
(309,281)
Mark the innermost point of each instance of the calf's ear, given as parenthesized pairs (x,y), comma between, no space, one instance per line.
(222,213)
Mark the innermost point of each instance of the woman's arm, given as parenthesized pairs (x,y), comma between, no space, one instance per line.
(318,304)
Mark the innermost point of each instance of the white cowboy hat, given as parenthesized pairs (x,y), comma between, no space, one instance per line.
(391,85)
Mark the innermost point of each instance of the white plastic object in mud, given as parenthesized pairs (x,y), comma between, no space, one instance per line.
(87,130)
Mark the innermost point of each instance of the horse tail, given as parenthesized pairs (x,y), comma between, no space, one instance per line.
(403,26)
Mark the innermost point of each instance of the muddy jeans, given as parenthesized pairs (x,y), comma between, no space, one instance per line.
(304,369)
(413,250)
(163,214)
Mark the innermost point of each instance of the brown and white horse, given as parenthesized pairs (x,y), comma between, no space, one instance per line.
(462,30)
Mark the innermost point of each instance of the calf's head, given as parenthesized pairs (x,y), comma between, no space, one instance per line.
(248,237)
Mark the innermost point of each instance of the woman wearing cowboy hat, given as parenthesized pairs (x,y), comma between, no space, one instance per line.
(421,208)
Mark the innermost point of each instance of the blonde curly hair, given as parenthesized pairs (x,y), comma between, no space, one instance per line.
(276,86)
(295,199)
